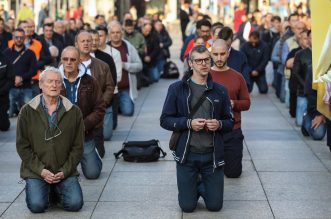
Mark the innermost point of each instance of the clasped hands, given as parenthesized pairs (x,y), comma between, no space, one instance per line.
(207,124)
(50,177)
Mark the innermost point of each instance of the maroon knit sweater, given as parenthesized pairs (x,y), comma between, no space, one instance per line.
(237,89)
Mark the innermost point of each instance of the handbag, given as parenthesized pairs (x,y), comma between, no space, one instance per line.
(176,134)
(141,151)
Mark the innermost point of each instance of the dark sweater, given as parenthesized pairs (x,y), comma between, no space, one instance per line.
(25,66)
(237,90)
(257,57)
(238,61)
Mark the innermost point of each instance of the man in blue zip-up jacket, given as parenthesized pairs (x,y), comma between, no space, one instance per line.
(200,148)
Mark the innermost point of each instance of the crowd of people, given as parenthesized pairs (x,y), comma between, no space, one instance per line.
(210,143)
(45,76)
(272,51)
(71,81)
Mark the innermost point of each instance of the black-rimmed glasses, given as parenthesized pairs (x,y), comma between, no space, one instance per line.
(200,61)
(52,132)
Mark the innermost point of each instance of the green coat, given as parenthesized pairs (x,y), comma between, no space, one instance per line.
(62,153)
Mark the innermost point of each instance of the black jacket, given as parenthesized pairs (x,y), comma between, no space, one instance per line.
(270,38)
(6,75)
(301,67)
(25,66)
(58,43)
(164,38)
(4,38)
(257,57)
(110,61)
(45,55)
(153,48)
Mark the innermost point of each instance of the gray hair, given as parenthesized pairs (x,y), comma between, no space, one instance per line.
(114,24)
(198,49)
(50,69)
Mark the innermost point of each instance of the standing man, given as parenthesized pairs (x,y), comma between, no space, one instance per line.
(132,64)
(84,91)
(200,148)
(51,151)
(240,101)
(101,72)
(25,67)
(6,82)
(258,57)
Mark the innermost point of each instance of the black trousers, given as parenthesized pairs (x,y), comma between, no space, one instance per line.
(4,118)
(233,153)
(115,110)
(99,142)
(328,133)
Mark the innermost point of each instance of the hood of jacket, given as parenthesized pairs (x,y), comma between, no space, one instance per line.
(81,70)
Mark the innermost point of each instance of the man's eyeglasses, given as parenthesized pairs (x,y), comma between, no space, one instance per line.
(66,59)
(19,37)
(200,61)
(52,132)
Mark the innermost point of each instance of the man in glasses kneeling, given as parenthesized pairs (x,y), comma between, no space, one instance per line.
(50,138)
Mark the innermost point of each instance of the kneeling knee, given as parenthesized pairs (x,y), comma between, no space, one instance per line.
(92,175)
(188,208)
(37,207)
(73,206)
(214,207)
(233,174)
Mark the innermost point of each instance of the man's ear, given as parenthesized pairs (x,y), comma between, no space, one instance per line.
(190,63)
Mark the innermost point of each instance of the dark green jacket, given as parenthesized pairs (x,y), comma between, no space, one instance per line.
(61,153)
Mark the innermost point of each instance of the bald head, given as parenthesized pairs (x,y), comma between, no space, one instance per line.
(220,54)
(70,60)
(83,42)
(299,27)
(220,43)
(70,48)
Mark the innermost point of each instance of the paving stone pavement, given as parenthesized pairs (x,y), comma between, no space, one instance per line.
(285,175)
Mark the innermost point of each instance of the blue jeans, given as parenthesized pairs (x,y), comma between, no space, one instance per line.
(160,65)
(300,109)
(316,134)
(17,98)
(126,105)
(91,162)
(210,188)
(287,93)
(68,193)
(153,73)
(108,124)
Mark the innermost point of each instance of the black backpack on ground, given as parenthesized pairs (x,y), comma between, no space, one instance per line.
(170,71)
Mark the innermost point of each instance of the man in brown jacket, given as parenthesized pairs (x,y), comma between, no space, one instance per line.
(100,71)
(83,90)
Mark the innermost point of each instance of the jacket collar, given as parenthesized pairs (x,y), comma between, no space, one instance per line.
(35,102)
(187,77)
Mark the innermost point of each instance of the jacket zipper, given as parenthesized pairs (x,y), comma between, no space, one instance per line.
(189,131)
(212,115)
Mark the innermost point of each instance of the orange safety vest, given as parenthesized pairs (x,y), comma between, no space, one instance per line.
(36,47)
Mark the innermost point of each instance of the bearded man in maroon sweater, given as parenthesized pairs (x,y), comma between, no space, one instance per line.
(240,101)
